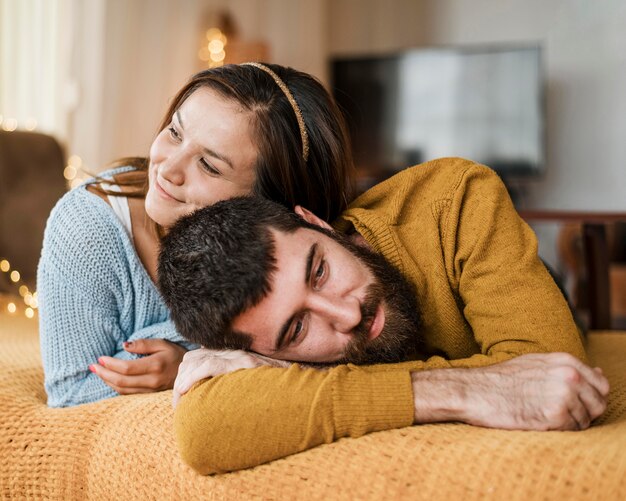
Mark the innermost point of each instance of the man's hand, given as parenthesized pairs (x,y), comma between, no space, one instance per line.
(552,391)
(154,372)
(204,363)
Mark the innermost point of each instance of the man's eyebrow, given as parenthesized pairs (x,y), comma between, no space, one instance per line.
(283,332)
(208,151)
(285,327)
(309,263)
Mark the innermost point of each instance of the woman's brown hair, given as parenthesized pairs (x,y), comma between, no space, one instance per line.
(324,182)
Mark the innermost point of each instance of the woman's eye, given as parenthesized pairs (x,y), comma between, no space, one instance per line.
(209,168)
(173,133)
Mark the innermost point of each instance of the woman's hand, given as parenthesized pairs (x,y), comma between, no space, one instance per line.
(203,363)
(154,372)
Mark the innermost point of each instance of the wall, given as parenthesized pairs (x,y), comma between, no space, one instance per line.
(375,26)
(133,55)
(129,57)
(585,65)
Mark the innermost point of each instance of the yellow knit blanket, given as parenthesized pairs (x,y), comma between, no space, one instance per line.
(124,448)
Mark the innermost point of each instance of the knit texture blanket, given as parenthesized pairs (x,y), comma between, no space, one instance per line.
(123,448)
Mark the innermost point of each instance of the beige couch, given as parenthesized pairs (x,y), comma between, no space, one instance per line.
(124,448)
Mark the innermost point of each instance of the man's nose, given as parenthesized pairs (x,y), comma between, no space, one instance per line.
(343,313)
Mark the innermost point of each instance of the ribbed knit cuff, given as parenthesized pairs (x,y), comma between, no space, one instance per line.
(364,402)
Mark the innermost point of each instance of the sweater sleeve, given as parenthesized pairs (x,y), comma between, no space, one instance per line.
(161,330)
(253,416)
(82,280)
(508,297)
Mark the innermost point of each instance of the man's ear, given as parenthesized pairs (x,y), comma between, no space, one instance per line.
(311,218)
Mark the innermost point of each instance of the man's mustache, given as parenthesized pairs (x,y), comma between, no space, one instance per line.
(368,306)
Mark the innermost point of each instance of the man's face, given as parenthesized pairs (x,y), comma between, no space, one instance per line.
(331,301)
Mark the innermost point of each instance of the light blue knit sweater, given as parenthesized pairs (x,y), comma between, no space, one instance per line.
(94,293)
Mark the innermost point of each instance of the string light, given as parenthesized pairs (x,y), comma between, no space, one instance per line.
(29,298)
(9,124)
(214,52)
(73,172)
(70,172)
(31,124)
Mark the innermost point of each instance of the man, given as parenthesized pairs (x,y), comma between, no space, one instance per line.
(437,271)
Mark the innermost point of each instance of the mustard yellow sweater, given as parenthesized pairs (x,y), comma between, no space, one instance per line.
(450,226)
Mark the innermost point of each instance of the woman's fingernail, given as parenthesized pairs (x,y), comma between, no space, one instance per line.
(92,368)
(127,344)
(101,362)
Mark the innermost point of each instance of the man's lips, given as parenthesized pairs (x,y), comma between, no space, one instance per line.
(378,322)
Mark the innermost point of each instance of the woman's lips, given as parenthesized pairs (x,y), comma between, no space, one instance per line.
(377,323)
(164,194)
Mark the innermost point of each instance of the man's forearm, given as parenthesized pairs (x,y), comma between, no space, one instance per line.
(532,392)
(252,416)
(439,395)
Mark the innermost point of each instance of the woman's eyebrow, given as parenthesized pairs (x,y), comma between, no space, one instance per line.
(219,156)
(180,120)
(208,151)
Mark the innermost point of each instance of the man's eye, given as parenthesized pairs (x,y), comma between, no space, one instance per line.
(320,274)
(297,330)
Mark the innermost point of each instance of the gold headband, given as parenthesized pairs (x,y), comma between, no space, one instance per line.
(303,134)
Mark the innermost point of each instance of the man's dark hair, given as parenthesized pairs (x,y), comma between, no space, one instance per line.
(217,262)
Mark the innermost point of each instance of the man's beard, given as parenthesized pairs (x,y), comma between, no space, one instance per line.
(399,337)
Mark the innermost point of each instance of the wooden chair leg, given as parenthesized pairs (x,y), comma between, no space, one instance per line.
(597,265)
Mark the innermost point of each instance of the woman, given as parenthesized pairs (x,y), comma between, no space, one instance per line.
(234,130)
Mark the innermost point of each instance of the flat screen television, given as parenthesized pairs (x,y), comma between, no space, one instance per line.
(481,103)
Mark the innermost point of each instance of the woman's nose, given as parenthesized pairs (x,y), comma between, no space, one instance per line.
(172,169)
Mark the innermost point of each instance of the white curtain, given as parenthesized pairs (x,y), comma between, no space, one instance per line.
(34,66)
(50,53)
(99,74)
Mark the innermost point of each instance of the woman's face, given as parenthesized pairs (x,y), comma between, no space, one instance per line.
(206,154)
